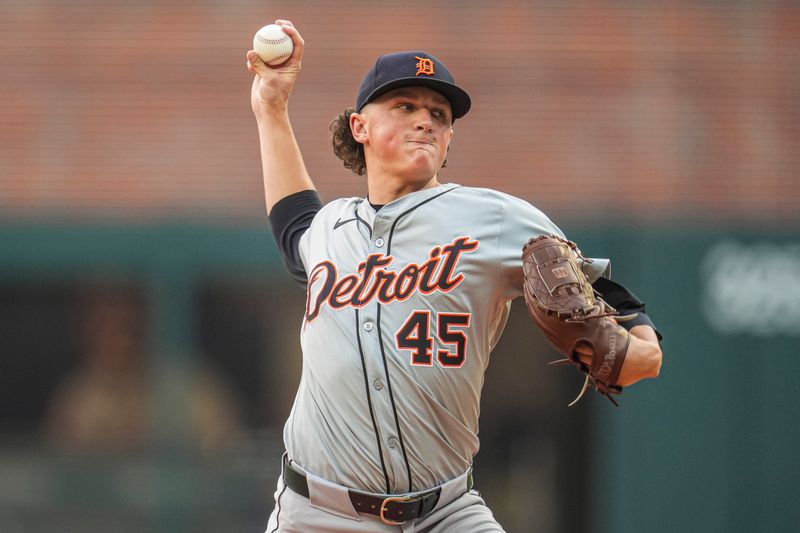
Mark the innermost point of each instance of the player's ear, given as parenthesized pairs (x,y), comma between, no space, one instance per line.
(358,127)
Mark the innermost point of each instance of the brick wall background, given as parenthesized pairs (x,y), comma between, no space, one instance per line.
(649,110)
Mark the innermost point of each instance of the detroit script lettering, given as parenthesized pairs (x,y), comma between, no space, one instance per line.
(374,280)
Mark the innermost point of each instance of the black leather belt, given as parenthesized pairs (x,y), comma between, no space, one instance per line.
(393,510)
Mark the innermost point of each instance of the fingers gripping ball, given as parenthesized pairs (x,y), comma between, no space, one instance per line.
(562,302)
(272,45)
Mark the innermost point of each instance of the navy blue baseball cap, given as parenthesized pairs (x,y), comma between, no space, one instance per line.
(404,69)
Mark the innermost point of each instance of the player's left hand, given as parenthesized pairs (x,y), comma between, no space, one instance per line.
(643,359)
(585,352)
(562,303)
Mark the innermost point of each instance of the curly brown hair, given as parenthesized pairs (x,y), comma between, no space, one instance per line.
(346,148)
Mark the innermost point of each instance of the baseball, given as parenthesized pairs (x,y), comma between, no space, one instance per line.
(272,45)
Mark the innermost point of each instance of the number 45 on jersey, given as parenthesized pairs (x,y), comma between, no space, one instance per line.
(415,335)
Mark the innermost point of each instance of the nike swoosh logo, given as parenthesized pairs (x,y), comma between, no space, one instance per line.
(340,222)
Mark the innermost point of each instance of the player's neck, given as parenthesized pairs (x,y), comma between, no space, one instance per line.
(384,190)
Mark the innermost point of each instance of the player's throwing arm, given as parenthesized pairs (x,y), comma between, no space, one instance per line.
(282,164)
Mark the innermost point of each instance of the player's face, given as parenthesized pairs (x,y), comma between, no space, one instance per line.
(406,133)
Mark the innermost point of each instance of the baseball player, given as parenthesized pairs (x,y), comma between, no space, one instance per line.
(408,291)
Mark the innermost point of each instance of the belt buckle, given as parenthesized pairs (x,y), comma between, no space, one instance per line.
(389,500)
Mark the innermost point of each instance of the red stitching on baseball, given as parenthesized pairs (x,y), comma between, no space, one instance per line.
(271,41)
(277,57)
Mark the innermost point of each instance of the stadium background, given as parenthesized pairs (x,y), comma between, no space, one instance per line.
(661,134)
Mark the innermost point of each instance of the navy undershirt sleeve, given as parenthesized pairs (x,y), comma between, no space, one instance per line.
(290,217)
(625,302)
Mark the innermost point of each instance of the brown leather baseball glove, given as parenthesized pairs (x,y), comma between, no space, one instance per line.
(564,305)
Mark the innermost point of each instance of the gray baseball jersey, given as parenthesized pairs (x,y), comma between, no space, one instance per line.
(403,308)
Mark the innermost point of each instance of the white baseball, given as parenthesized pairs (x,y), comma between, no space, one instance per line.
(272,45)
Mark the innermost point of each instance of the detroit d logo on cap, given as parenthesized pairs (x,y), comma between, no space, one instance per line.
(424,66)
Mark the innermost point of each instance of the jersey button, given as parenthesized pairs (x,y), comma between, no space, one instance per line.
(392,443)
(379,242)
(378,384)
(368,326)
